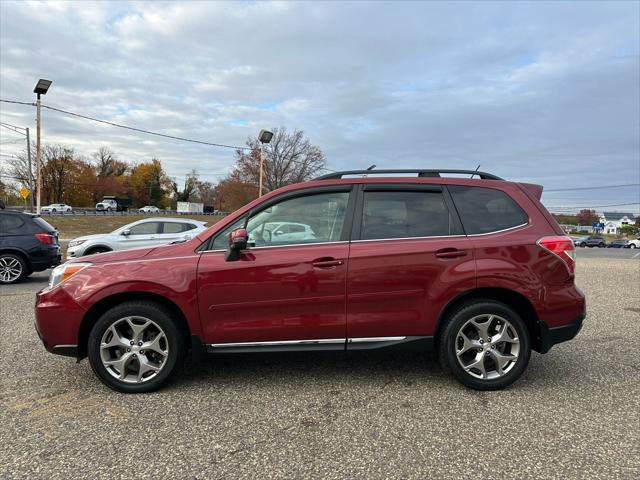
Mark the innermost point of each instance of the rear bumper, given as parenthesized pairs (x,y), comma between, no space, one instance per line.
(550,336)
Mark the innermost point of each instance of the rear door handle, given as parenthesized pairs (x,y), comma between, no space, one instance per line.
(450,253)
(326,262)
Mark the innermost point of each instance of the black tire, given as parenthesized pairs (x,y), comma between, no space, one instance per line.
(17,263)
(601,245)
(583,244)
(632,245)
(93,251)
(448,337)
(176,340)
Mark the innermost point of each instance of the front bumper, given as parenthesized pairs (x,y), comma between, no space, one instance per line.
(58,320)
(550,336)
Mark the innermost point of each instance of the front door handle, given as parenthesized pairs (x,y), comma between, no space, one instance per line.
(326,262)
(450,253)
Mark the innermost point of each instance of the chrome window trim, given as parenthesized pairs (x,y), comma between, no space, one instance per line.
(282,246)
(406,238)
(499,231)
(445,236)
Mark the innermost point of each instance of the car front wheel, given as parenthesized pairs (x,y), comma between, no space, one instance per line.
(12,268)
(136,347)
(632,245)
(485,345)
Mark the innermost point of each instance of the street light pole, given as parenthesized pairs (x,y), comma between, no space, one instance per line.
(41,89)
(264,136)
(30,172)
(261,167)
(38,159)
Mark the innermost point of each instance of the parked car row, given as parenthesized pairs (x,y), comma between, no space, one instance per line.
(598,241)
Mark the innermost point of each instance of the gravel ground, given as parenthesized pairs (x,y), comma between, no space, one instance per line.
(574,414)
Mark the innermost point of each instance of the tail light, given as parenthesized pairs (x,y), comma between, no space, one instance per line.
(563,248)
(45,238)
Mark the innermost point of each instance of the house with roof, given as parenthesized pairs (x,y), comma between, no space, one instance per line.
(614,220)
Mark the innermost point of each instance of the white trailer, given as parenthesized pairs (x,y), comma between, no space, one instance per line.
(190,207)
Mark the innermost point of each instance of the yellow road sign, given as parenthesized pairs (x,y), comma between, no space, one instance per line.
(24,192)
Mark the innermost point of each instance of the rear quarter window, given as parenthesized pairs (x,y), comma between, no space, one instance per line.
(486,210)
(41,225)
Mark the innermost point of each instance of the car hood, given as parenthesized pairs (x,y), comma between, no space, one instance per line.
(97,236)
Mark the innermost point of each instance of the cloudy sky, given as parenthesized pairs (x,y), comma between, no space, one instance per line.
(542,92)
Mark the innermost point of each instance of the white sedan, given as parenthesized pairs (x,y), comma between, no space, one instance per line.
(149,232)
(149,209)
(282,232)
(56,208)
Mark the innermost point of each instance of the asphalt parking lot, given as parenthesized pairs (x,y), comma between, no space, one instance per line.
(574,414)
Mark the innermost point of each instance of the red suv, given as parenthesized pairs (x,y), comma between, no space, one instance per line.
(476,269)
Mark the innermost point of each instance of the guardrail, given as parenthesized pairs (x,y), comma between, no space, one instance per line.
(128,213)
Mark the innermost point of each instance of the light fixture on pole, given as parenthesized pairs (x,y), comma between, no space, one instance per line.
(41,89)
(264,136)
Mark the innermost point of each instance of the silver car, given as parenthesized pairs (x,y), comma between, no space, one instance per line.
(149,232)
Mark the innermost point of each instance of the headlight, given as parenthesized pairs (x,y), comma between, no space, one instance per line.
(75,243)
(64,272)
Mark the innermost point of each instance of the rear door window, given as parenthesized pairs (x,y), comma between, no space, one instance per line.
(404,214)
(12,225)
(174,227)
(486,210)
(148,228)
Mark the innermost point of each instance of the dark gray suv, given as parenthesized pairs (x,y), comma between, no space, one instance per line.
(593,241)
(27,244)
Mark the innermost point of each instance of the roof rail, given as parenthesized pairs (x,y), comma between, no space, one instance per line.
(419,173)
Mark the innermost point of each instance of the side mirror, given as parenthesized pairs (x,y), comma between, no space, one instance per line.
(126,232)
(237,242)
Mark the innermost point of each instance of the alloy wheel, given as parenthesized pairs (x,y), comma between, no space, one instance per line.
(10,269)
(134,349)
(487,347)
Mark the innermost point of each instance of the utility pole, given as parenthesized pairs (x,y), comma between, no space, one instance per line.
(30,172)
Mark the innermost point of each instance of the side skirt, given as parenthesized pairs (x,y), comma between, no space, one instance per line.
(417,343)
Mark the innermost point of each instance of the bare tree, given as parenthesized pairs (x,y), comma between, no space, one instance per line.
(107,164)
(19,167)
(289,158)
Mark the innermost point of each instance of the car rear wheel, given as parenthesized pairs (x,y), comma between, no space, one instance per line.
(12,268)
(583,244)
(485,345)
(601,245)
(93,251)
(136,347)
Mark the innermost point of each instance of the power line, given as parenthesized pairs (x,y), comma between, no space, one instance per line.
(591,206)
(18,103)
(14,128)
(592,188)
(148,132)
